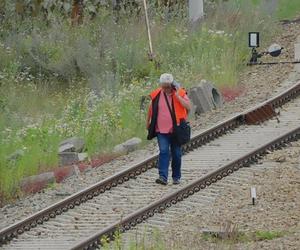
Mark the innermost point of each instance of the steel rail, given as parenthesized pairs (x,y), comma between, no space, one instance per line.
(160,205)
(204,137)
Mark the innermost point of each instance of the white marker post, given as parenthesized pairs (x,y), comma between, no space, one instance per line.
(195,10)
(151,55)
(253,195)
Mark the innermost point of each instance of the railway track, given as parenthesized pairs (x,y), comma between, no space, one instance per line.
(183,220)
(128,198)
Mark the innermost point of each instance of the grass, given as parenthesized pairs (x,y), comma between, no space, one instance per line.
(155,242)
(282,9)
(288,9)
(240,237)
(58,81)
(267,235)
(156,239)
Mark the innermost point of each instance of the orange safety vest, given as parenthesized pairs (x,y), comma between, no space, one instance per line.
(180,111)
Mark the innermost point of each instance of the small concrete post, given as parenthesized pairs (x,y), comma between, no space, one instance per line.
(253,195)
(195,10)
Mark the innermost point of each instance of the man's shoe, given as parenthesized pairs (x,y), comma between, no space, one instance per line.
(176,182)
(161,181)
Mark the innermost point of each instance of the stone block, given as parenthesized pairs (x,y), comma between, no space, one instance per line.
(44,177)
(132,144)
(120,149)
(35,183)
(205,97)
(73,144)
(82,156)
(128,146)
(68,158)
(67,147)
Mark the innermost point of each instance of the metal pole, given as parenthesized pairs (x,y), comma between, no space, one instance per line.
(148,30)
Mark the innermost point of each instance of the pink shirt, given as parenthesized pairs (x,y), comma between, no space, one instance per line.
(164,123)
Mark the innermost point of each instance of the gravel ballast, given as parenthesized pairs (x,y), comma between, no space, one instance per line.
(276,210)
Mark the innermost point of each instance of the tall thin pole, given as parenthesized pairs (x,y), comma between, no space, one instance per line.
(148,30)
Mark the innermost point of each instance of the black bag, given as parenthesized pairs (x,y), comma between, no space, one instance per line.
(182,132)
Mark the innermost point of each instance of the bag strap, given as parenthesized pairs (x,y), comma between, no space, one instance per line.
(172,113)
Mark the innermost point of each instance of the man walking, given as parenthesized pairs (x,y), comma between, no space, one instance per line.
(164,100)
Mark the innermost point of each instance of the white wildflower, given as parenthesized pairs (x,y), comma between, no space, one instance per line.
(220,32)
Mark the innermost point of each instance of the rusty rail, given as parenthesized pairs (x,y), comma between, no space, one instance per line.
(82,196)
(159,206)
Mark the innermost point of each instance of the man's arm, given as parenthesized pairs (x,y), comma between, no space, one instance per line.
(185,102)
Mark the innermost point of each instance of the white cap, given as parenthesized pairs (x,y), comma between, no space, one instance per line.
(166,78)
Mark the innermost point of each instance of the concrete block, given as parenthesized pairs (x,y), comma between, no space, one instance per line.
(212,93)
(73,144)
(205,97)
(82,156)
(120,149)
(67,147)
(44,177)
(68,158)
(132,144)
(197,98)
(128,146)
(36,183)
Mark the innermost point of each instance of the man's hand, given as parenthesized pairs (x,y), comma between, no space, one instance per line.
(183,102)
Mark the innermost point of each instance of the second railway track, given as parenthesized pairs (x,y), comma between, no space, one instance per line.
(138,189)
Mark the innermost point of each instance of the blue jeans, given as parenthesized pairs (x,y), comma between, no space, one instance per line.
(164,144)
